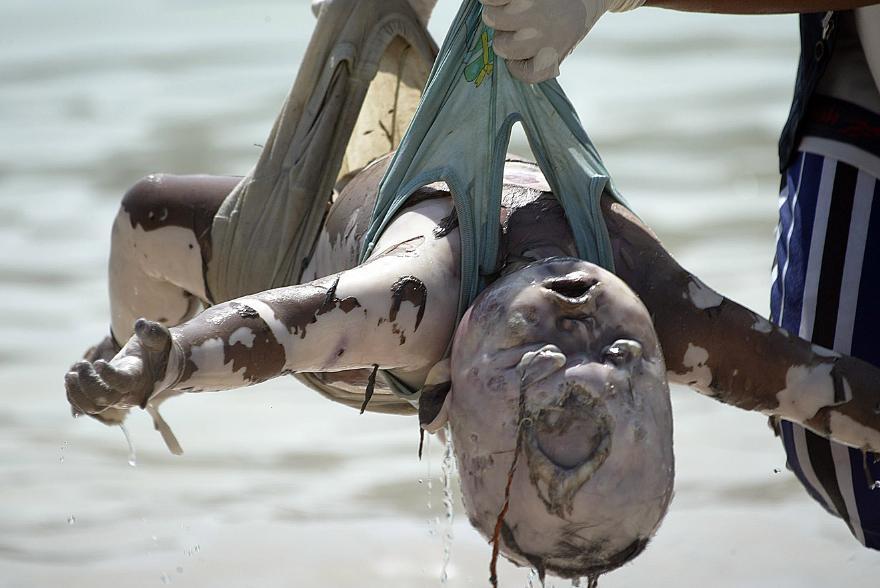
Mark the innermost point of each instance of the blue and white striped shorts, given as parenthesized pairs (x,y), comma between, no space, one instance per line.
(826,288)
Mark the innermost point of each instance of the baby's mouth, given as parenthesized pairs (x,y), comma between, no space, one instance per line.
(565,444)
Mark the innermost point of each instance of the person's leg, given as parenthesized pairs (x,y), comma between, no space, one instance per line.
(824,289)
(160,244)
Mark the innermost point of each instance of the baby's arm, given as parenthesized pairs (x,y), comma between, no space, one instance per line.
(395,311)
(732,354)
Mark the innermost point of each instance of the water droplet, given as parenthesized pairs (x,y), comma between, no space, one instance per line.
(154,538)
(179,569)
(447,467)
(132,456)
(428,462)
(165,579)
(875,485)
(776,470)
(421,481)
(532,581)
(61,459)
(71,520)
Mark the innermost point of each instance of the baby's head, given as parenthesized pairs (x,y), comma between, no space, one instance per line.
(557,367)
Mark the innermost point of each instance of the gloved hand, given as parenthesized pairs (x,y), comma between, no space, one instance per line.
(534,36)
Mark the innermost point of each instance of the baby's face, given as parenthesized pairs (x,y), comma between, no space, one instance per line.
(558,364)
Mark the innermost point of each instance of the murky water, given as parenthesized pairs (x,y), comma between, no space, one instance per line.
(278,487)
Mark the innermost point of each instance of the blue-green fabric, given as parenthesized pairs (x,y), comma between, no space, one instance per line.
(460,134)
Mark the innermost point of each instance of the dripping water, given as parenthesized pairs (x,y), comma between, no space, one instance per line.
(446,469)
(428,444)
(533,580)
(132,456)
(593,581)
(433,520)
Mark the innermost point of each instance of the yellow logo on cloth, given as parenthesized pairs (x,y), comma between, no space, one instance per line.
(484,64)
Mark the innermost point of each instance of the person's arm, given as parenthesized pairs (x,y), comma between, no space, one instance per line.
(535,37)
(758,6)
(727,352)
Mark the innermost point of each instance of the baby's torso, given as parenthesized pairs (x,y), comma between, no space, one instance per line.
(532,221)
(532,226)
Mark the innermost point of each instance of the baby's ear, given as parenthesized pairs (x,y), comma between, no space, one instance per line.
(537,365)
(434,399)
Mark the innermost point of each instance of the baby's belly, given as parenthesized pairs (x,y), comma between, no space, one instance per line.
(341,239)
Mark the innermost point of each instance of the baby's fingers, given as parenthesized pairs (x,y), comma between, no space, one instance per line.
(88,391)
(542,67)
(79,401)
(113,377)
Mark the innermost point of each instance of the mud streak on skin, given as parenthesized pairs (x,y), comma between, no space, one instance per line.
(412,290)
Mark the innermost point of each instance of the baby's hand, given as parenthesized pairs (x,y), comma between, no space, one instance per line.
(101,388)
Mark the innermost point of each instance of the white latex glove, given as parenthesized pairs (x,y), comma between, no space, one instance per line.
(534,36)
(422,8)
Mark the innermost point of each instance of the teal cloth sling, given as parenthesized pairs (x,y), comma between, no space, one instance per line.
(460,134)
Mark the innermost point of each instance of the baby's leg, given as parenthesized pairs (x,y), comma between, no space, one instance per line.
(422,8)
(160,245)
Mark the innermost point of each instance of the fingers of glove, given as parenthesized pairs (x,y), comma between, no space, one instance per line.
(500,18)
(523,44)
(154,336)
(535,70)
